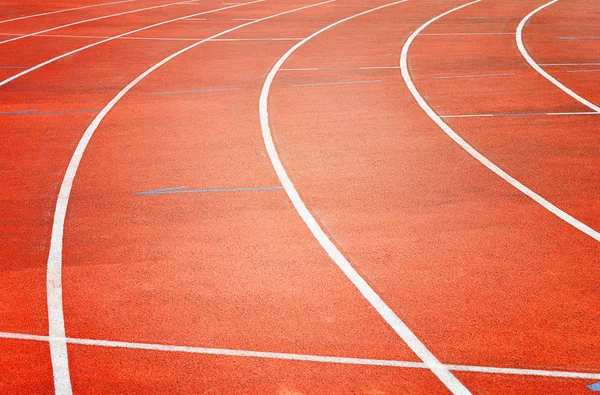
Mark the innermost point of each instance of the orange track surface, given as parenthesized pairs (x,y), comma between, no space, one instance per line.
(481,274)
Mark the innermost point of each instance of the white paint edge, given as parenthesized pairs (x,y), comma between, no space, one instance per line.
(65,10)
(302,357)
(536,67)
(472,151)
(432,363)
(49,61)
(58,346)
(92,20)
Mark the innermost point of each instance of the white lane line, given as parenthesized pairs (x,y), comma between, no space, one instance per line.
(569,64)
(583,71)
(47,62)
(65,10)
(465,34)
(257,39)
(530,114)
(532,63)
(473,76)
(92,20)
(580,38)
(58,347)
(338,83)
(194,91)
(336,255)
(302,357)
(472,151)
(340,68)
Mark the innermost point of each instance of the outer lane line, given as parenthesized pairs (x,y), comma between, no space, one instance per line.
(432,363)
(532,63)
(472,151)
(56,322)
(49,61)
(65,10)
(302,357)
(93,19)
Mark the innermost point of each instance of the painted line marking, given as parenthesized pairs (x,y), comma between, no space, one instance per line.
(465,34)
(595,387)
(569,64)
(302,357)
(411,340)
(472,151)
(493,17)
(194,91)
(35,112)
(257,39)
(184,189)
(65,10)
(580,38)
(536,67)
(70,53)
(532,114)
(16,67)
(583,71)
(92,20)
(339,68)
(56,319)
(338,83)
(474,76)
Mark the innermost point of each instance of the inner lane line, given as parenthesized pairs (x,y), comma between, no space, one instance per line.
(474,76)
(338,83)
(301,357)
(195,91)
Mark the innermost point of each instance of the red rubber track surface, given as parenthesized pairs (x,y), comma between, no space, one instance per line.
(483,275)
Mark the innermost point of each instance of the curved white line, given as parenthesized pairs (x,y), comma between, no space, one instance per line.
(92,20)
(65,10)
(537,67)
(58,344)
(49,61)
(334,253)
(472,151)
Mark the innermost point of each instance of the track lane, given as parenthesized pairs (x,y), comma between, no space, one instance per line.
(537,150)
(51,283)
(469,248)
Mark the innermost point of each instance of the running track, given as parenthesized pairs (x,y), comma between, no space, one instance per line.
(292,197)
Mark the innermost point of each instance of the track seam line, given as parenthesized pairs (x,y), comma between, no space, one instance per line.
(536,67)
(472,151)
(300,357)
(92,20)
(433,364)
(65,10)
(58,347)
